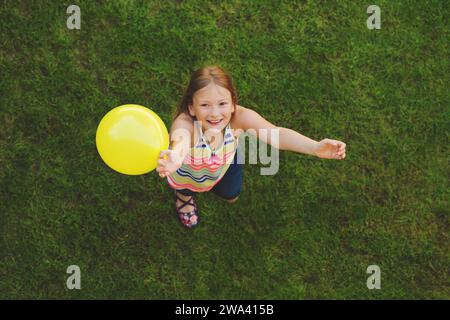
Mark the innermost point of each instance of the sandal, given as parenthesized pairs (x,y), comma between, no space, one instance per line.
(188,219)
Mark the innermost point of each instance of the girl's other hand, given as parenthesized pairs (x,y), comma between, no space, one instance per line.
(169,162)
(330,149)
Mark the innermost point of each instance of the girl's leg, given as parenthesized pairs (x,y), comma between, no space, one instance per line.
(186,207)
(183,195)
(186,192)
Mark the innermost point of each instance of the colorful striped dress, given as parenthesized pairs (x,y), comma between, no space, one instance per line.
(202,167)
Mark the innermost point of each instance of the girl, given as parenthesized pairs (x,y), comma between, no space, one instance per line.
(204,140)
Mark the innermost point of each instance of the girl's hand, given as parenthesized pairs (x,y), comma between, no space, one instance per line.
(169,162)
(330,149)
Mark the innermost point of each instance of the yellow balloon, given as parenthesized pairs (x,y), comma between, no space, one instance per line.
(130,138)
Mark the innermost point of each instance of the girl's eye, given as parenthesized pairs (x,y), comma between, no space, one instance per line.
(203,105)
(223,103)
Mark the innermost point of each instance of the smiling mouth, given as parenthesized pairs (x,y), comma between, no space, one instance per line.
(214,122)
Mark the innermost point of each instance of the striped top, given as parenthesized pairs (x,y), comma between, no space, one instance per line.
(202,167)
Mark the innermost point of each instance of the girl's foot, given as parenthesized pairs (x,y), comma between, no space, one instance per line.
(187,210)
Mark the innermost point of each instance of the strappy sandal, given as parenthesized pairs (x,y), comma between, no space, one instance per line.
(188,219)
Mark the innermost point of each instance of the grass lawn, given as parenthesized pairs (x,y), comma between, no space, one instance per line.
(308,232)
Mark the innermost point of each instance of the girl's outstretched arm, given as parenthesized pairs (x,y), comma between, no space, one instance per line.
(288,139)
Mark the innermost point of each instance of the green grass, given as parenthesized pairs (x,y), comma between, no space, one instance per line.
(309,232)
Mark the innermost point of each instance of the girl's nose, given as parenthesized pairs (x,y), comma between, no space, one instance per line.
(215,112)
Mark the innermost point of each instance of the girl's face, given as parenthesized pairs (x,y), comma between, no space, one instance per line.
(212,105)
